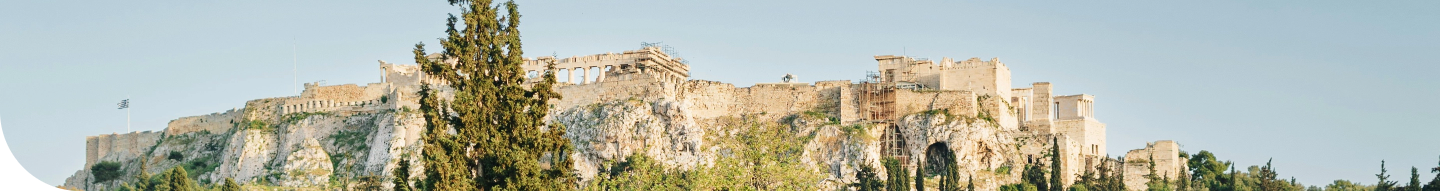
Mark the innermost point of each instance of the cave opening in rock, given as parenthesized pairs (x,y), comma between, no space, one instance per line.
(937,156)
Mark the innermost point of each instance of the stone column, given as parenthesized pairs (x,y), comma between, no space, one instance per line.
(601,77)
(585,79)
(570,76)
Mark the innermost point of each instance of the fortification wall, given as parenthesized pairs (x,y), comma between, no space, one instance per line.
(838,98)
(1168,163)
(957,102)
(118,147)
(1087,132)
(213,122)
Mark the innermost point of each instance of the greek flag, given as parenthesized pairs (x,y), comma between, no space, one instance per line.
(124,104)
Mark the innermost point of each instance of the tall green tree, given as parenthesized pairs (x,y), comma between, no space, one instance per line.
(1208,172)
(1346,185)
(229,185)
(1385,184)
(1414,184)
(1434,184)
(105,171)
(492,133)
(899,177)
(920,175)
(1035,175)
(1156,182)
(1055,173)
(951,181)
(1267,177)
(402,176)
(867,180)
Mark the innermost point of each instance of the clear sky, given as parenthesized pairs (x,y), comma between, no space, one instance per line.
(1326,89)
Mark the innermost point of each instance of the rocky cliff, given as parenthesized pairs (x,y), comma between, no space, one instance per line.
(349,136)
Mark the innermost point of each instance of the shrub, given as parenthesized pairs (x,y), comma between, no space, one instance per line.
(176,155)
(105,171)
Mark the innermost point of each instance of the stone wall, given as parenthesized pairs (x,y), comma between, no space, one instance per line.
(982,77)
(1168,163)
(117,147)
(214,122)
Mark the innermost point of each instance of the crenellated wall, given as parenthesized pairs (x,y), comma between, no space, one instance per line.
(118,147)
(214,122)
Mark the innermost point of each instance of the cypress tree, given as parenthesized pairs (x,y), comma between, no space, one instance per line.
(491,134)
(899,177)
(970,186)
(1414,184)
(402,176)
(1055,173)
(952,176)
(920,175)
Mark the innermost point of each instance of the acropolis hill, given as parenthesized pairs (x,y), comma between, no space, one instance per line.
(643,102)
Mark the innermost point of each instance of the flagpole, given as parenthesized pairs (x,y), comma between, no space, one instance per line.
(127,115)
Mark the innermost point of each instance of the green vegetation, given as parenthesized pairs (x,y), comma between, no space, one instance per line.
(105,171)
(867,180)
(920,175)
(175,155)
(817,114)
(639,172)
(498,120)
(899,177)
(201,165)
(402,176)
(759,156)
(1035,176)
(259,125)
(351,139)
(296,117)
(229,185)
(1055,158)
(175,179)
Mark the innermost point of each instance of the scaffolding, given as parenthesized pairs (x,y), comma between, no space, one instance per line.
(877,105)
(877,101)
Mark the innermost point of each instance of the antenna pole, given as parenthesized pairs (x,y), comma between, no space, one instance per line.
(295,68)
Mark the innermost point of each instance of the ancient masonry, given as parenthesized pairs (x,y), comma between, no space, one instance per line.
(1009,127)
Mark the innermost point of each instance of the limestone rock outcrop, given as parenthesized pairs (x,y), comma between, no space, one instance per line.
(917,111)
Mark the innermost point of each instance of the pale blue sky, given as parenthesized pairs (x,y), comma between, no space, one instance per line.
(1327,89)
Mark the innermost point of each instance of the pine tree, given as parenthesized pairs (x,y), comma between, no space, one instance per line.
(866,180)
(491,134)
(1055,159)
(1385,184)
(230,185)
(1268,176)
(176,180)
